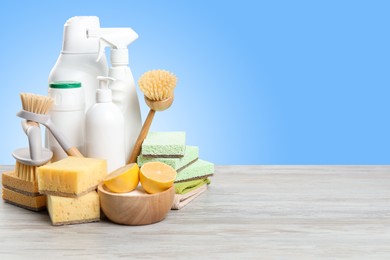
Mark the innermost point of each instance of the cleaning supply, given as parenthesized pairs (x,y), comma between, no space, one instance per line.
(78,62)
(22,193)
(182,200)
(124,94)
(192,173)
(10,180)
(20,186)
(68,114)
(157,86)
(65,211)
(27,159)
(187,186)
(104,126)
(71,177)
(198,170)
(78,58)
(22,200)
(35,155)
(190,156)
(164,144)
(31,114)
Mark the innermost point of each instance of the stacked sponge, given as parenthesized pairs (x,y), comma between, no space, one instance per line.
(22,193)
(192,173)
(70,186)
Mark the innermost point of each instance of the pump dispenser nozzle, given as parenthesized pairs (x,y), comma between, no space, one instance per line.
(117,39)
(104,93)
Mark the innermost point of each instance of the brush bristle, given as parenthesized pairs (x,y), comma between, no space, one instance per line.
(26,172)
(157,85)
(36,103)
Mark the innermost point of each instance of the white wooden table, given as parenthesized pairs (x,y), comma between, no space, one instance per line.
(261,212)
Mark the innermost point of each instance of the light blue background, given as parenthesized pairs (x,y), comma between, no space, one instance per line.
(260,82)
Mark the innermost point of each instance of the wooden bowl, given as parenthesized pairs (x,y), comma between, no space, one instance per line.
(136,207)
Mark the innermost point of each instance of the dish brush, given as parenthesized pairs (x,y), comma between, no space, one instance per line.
(157,86)
(36,110)
(28,159)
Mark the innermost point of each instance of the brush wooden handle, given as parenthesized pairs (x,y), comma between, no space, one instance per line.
(141,137)
(73,151)
(62,140)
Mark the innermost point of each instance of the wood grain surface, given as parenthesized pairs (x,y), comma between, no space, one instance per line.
(259,212)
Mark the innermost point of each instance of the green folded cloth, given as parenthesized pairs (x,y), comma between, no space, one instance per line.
(181,200)
(185,187)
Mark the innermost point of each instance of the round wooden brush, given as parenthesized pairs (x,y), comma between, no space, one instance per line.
(157,86)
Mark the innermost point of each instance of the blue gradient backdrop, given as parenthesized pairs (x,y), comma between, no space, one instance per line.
(260,82)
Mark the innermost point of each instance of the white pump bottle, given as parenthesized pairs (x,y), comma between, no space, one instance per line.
(104,128)
(123,89)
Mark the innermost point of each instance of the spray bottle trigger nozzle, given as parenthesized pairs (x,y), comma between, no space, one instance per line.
(102,47)
(93,33)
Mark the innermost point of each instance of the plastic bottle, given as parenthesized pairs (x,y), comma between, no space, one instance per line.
(78,62)
(104,128)
(123,88)
(78,58)
(67,114)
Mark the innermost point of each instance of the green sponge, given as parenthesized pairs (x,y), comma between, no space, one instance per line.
(190,156)
(198,170)
(164,144)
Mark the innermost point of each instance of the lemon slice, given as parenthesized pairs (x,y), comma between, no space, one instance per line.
(124,179)
(157,177)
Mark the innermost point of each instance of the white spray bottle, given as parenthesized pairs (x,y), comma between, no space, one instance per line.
(123,88)
(104,128)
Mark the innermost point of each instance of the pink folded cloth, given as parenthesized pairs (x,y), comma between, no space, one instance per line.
(183,199)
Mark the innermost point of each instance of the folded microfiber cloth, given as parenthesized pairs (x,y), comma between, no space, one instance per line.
(182,200)
(187,186)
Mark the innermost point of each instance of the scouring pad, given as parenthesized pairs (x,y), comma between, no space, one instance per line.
(164,144)
(199,170)
(190,156)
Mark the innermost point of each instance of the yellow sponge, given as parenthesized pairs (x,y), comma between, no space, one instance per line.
(71,177)
(35,203)
(64,211)
(22,193)
(11,181)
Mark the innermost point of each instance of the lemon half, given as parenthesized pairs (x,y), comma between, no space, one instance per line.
(124,179)
(157,177)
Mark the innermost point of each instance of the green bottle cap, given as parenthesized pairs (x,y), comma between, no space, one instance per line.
(65,84)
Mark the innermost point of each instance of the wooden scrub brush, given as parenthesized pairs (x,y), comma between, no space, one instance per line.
(157,86)
(31,112)
(28,159)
